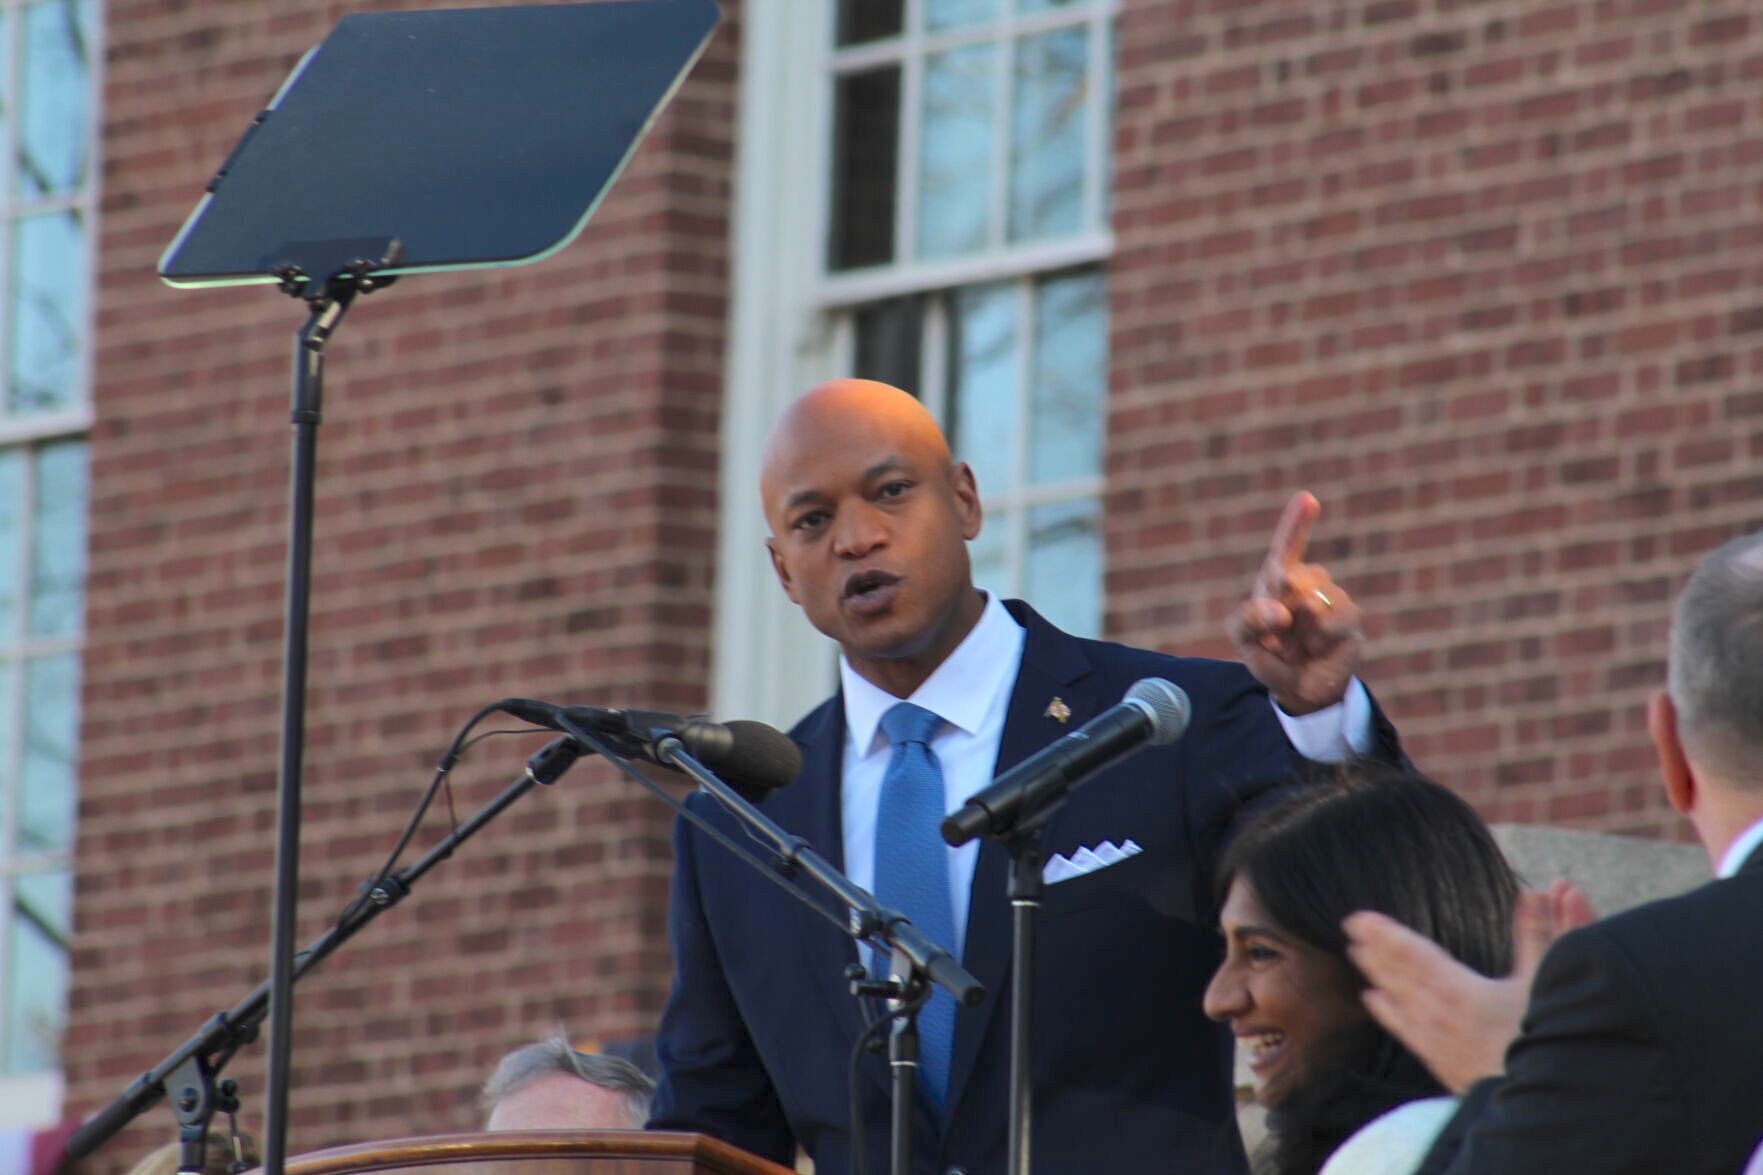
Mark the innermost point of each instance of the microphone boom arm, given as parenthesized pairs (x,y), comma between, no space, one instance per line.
(869,921)
(226,1032)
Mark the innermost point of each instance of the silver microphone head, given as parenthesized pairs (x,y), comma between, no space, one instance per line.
(1167,705)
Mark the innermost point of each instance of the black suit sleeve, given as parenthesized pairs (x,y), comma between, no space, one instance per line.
(1239,761)
(713,1079)
(1590,1084)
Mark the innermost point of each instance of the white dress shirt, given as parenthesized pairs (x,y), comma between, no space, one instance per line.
(1740,850)
(970,691)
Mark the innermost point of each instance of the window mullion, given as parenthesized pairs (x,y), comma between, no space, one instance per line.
(1023,361)
(1097,150)
(934,362)
(911,113)
(1003,87)
(12,29)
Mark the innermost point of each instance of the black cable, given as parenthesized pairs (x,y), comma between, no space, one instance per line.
(859,1136)
(443,768)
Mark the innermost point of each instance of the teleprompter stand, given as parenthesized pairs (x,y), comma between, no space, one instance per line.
(407,142)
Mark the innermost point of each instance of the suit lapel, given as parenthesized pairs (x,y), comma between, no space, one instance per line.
(1053,668)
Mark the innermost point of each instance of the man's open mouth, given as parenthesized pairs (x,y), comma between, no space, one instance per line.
(869,585)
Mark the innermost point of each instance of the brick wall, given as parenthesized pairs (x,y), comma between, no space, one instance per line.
(517,479)
(1488,278)
(1485,276)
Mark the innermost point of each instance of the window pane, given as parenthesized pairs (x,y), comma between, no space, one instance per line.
(866,143)
(12,498)
(46,320)
(58,539)
(955,151)
(1065,565)
(52,116)
(948,14)
(990,553)
(869,20)
(982,383)
(888,336)
(1028,6)
(36,973)
(45,900)
(1047,134)
(46,785)
(1070,365)
(9,673)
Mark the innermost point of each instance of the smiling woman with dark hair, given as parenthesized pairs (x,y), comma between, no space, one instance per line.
(1393,842)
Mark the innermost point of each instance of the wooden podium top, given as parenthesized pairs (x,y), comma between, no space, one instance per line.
(540,1152)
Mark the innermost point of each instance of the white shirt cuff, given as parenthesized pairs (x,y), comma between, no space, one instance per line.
(1332,734)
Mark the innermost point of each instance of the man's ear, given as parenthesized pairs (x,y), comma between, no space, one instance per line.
(783,572)
(1674,765)
(966,491)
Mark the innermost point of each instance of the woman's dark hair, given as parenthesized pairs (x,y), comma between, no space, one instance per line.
(1384,839)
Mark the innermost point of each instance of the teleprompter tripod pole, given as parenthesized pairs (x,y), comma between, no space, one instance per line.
(325,312)
(227,1032)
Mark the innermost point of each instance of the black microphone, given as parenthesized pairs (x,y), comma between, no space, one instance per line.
(753,758)
(1154,711)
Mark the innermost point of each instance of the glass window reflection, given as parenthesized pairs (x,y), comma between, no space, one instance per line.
(12,540)
(45,900)
(36,975)
(45,800)
(990,555)
(868,20)
(889,335)
(866,116)
(951,14)
(54,95)
(1065,565)
(983,383)
(1070,368)
(46,315)
(955,151)
(1047,151)
(58,539)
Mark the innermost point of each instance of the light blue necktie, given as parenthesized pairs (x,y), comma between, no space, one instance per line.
(912,870)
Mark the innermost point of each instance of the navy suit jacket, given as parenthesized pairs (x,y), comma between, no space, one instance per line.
(1129,1074)
(1640,1047)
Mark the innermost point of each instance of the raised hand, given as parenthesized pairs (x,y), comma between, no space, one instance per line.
(1457,1021)
(1299,632)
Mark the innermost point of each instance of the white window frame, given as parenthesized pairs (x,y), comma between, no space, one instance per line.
(785,332)
(35,1099)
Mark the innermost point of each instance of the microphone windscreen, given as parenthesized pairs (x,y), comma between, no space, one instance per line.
(759,760)
(1169,706)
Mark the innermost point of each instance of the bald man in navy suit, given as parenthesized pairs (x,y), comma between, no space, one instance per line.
(870,517)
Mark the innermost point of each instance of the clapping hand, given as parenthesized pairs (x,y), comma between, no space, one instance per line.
(1457,1021)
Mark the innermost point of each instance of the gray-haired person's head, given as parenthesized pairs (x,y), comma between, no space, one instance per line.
(1716,669)
(541,1087)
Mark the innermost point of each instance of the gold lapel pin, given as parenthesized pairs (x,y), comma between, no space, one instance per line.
(1057,710)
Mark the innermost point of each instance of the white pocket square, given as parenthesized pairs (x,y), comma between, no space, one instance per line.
(1059,867)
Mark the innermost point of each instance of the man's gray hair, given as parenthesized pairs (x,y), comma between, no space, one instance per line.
(1716,673)
(524,1066)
